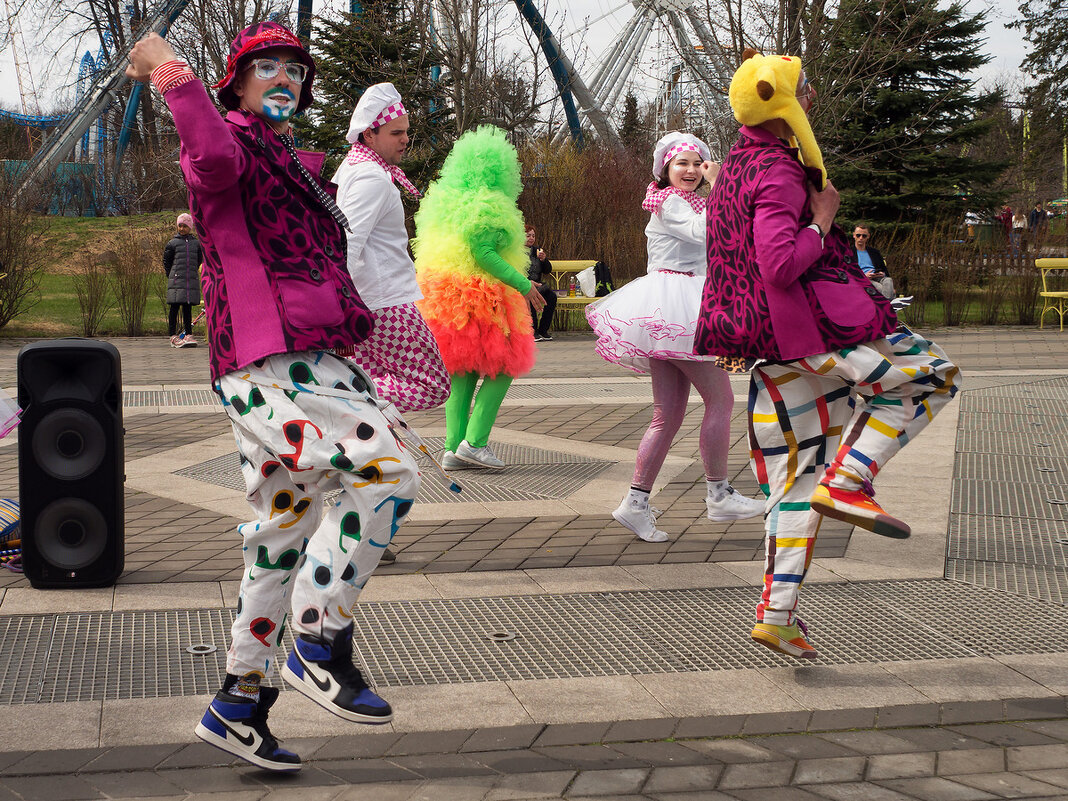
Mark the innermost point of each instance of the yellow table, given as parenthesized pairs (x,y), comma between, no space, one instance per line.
(565,267)
(1054,273)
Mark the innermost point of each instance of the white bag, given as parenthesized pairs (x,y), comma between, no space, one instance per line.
(587,282)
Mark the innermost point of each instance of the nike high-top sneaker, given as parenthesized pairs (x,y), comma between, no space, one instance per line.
(323,671)
(238,725)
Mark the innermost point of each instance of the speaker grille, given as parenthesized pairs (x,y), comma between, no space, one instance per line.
(71,533)
(69,444)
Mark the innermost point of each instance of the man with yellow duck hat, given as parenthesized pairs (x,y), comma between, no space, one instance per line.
(838,385)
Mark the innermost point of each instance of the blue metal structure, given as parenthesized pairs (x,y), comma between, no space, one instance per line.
(553,58)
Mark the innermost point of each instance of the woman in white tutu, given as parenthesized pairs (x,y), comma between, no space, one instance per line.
(648,326)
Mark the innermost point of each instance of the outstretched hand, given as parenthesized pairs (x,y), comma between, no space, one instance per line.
(148,54)
(534,296)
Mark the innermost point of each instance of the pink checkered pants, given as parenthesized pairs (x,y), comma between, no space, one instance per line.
(401,356)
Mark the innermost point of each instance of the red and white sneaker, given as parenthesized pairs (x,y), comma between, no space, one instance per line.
(789,640)
(858,508)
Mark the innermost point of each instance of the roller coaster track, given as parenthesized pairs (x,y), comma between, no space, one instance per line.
(101,93)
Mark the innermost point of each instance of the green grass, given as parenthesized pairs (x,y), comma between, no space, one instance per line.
(66,238)
(66,242)
(57,313)
(69,239)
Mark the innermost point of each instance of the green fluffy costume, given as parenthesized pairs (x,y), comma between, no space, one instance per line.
(471,261)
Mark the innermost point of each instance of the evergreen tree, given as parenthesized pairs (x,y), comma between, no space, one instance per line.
(383,42)
(1045,27)
(897,135)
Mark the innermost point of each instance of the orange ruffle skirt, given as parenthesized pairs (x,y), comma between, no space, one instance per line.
(480,324)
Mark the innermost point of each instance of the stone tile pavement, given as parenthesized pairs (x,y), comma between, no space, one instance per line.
(992,726)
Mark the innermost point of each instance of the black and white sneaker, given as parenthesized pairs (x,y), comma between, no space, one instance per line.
(324,672)
(238,725)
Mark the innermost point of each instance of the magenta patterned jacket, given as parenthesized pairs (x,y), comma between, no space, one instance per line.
(274,276)
(771,291)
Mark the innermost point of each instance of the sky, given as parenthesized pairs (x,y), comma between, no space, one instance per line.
(598,22)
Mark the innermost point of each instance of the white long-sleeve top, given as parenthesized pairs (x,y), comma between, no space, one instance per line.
(675,238)
(378,258)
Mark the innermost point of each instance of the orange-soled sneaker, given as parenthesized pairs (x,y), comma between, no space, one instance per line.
(859,508)
(789,640)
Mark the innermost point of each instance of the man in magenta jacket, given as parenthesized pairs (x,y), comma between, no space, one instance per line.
(279,300)
(838,385)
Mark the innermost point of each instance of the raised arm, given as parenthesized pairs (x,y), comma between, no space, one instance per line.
(212,157)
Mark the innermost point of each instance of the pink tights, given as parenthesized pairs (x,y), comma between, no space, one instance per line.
(671,390)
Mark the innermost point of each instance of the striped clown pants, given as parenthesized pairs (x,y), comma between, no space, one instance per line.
(836,418)
(296,444)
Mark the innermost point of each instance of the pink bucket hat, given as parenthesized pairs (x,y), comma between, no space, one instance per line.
(256,37)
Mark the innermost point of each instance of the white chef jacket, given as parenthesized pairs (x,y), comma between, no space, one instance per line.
(378,258)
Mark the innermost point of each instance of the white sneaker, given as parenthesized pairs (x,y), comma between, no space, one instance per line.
(478,457)
(638,517)
(450,462)
(733,506)
(188,341)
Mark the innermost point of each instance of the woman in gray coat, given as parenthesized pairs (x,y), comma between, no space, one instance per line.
(182,258)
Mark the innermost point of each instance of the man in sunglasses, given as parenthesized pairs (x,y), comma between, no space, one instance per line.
(280,302)
(871,262)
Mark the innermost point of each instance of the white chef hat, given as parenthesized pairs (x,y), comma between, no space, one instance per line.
(378,105)
(672,144)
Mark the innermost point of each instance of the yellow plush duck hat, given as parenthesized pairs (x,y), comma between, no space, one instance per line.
(765,88)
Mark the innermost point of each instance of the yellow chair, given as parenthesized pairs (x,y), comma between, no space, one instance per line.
(1052,299)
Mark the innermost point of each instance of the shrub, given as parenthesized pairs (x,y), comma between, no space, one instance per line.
(91,287)
(132,270)
(22,250)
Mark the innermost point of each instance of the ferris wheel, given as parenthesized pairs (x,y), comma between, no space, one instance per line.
(661,50)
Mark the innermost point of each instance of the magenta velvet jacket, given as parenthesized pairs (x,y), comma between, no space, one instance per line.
(771,291)
(274,276)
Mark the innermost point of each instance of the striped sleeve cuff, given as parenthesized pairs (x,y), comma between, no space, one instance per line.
(174,73)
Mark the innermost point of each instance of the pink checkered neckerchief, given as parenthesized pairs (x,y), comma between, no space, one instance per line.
(655,197)
(388,114)
(360,152)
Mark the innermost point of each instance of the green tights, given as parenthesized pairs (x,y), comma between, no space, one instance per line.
(461,421)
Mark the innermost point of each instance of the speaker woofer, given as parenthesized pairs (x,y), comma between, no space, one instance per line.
(69,444)
(71,533)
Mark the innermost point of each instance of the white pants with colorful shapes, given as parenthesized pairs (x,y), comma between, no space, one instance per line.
(836,417)
(295,444)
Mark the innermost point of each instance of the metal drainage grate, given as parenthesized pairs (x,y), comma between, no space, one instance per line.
(114,655)
(1031,424)
(1013,540)
(532,474)
(1037,470)
(1009,505)
(1028,444)
(140,398)
(1050,583)
(1049,389)
(1010,499)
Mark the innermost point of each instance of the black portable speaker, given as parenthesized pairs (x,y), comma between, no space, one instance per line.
(71,470)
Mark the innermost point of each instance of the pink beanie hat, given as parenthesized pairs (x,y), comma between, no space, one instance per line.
(184,219)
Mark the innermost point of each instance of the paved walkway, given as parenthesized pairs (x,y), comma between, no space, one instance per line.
(534,649)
